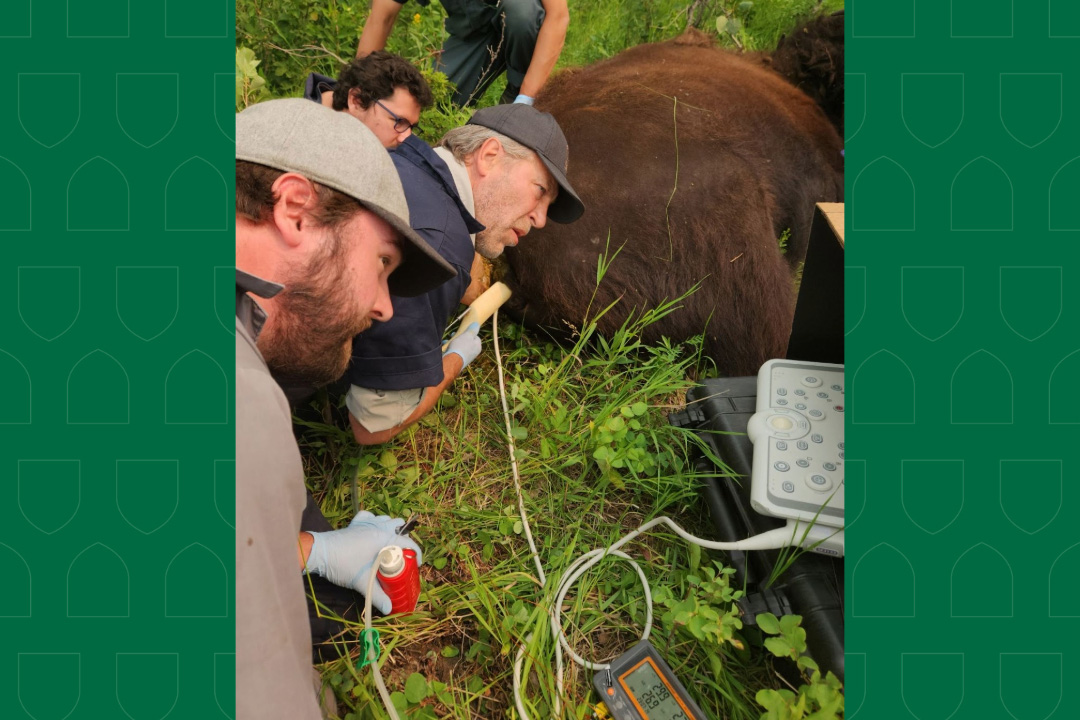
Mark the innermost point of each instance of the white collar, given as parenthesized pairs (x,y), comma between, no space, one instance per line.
(460,173)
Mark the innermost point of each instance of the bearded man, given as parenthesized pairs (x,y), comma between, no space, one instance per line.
(486,185)
(322,239)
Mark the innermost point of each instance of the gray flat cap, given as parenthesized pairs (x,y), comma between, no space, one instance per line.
(337,150)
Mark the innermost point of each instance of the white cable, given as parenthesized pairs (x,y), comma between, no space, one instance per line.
(777,538)
(383,693)
(513,458)
(575,571)
(780,537)
(532,547)
(541,575)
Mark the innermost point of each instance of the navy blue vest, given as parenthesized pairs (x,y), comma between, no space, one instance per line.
(406,351)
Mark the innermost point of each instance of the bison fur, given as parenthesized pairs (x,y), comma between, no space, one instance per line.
(752,155)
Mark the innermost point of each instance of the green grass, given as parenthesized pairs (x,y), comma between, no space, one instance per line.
(291,38)
(597,457)
(761,24)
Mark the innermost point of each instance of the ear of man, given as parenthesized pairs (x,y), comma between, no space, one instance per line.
(354,100)
(297,200)
(488,157)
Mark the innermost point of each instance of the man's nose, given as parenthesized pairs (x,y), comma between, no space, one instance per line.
(383,309)
(539,215)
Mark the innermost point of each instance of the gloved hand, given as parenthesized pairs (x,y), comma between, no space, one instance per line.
(347,557)
(524,100)
(466,345)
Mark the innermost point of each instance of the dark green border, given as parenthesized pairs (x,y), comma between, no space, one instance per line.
(118,359)
(959,309)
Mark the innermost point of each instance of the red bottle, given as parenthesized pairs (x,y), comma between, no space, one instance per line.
(399,577)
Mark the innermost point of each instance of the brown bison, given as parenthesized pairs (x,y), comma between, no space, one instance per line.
(695,161)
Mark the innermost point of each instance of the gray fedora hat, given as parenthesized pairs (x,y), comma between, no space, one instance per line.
(336,150)
(540,132)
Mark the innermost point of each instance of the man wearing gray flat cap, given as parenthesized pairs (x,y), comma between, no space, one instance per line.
(322,239)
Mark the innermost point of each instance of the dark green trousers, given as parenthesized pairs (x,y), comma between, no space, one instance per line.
(487,39)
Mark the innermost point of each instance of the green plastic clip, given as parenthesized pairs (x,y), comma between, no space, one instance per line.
(369,641)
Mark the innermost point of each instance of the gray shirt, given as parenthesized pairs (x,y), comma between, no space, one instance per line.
(273,637)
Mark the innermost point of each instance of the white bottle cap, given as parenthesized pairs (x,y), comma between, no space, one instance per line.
(391,561)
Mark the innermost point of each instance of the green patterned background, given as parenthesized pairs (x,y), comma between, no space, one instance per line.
(962,363)
(116,548)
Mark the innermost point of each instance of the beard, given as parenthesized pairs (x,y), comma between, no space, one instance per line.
(496,206)
(488,244)
(309,336)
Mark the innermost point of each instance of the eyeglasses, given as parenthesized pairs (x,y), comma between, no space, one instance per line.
(400,124)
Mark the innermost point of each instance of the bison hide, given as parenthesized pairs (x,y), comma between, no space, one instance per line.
(752,155)
(811,57)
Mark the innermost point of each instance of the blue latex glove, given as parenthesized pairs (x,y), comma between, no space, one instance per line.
(466,345)
(524,100)
(347,557)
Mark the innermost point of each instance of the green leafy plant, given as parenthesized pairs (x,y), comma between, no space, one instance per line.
(706,611)
(294,37)
(443,115)
(418,689)
(782,241)
(621,443)
(730,24)
(250,85)
(819,698)
(748,25)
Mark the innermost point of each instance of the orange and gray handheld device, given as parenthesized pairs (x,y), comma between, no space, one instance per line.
(639,685)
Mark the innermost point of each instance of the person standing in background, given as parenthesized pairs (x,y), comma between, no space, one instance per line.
(524,38)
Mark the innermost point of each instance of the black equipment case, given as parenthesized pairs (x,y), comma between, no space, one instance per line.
(813,586)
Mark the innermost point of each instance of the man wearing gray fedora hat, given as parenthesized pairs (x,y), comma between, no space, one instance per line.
(322,239)
(483,189)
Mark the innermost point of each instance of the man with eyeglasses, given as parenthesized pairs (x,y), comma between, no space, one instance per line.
(383,91)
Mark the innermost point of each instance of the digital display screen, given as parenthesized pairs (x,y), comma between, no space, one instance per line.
(652,694)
